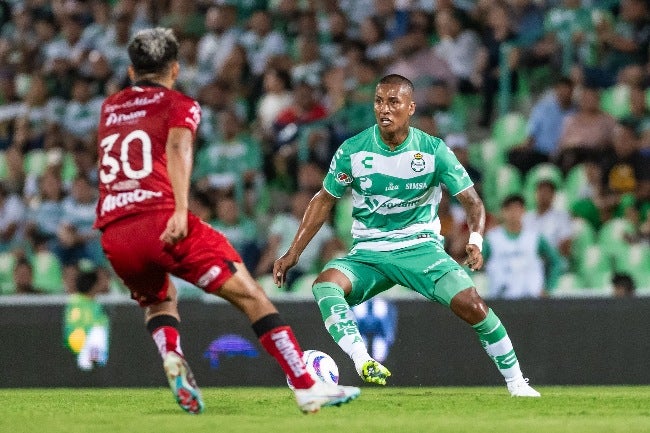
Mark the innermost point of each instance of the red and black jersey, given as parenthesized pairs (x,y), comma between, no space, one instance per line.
(132,137)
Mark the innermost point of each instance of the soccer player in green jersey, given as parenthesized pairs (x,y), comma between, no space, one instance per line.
(396,173)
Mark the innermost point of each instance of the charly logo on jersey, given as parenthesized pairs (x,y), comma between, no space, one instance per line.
(343,178)
(418,164)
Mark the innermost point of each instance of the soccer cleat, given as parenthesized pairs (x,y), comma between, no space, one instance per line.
(519,388)
(182,383)
(373,372)
(323,394)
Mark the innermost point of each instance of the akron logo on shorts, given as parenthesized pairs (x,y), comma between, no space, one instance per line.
(418,164)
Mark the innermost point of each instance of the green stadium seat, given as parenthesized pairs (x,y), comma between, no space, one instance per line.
(35,162)
(3,166)
(544,171)
(614,231)
(497,186)
(509,130)
(569,286)
(584,236)
(595,270)
(634,260)
(575,184)
(486,156)
(615,100)
(48,272)
(7,264)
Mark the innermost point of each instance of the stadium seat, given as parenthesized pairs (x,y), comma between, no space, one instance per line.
(35,162)
(584,236)
(497,186)
(48,274)
(7,263)
(69,168)
(576,184)
(634,260)
(486,156)
(3,166)
(595,271)
(509,130)
(544,171)
(615,100)
(569,286)
(614,232)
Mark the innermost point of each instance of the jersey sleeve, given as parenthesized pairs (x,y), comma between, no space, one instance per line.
(450,171)
(185,113)
(339,175)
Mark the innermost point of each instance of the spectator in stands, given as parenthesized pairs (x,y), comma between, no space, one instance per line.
(82,111)
(184,17)
(334,35)
(276,97)
(621,42)
(624,171)
(377,47)
(394,16)
(37,112)
(96,31)
(231,162)
(241,230)
(623,286)
(520,263)
(308,65)
(217,43)
(449,117)
(78,239)
(46,210)
(544,127)
(114,43)
(23,278)
(585,133)
(553,223)
(497,36)
(459,46)
(418,62)
(188,77)
(12,218)
(281,233)
(261,42)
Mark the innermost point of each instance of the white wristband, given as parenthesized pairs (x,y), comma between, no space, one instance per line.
(475,238)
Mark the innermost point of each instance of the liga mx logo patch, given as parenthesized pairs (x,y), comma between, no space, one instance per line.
(418,164)
(343,178)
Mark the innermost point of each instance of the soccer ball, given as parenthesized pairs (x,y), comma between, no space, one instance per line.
(321,366)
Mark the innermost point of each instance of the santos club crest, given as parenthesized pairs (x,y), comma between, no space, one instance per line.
(417,164)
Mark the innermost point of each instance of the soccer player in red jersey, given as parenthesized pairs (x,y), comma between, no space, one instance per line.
(145,141)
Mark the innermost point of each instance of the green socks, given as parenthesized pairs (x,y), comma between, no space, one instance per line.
(340,321)
(497,344)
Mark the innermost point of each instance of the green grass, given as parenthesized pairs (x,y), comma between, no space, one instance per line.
(396,410)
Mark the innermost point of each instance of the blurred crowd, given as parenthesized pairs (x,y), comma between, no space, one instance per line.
(547,99)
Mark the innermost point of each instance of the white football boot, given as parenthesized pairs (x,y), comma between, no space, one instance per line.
(519,387)
(322,394)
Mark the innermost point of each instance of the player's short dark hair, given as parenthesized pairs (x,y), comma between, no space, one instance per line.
(152,50)
(624,281)
(513,199)
(397,79)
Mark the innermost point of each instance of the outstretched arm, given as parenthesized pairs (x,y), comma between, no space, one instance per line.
(317,212)
(475,212)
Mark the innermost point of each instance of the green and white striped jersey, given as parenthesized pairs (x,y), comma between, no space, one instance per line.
(395,194)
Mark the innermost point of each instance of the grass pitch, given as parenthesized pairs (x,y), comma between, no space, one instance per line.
(395,410)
